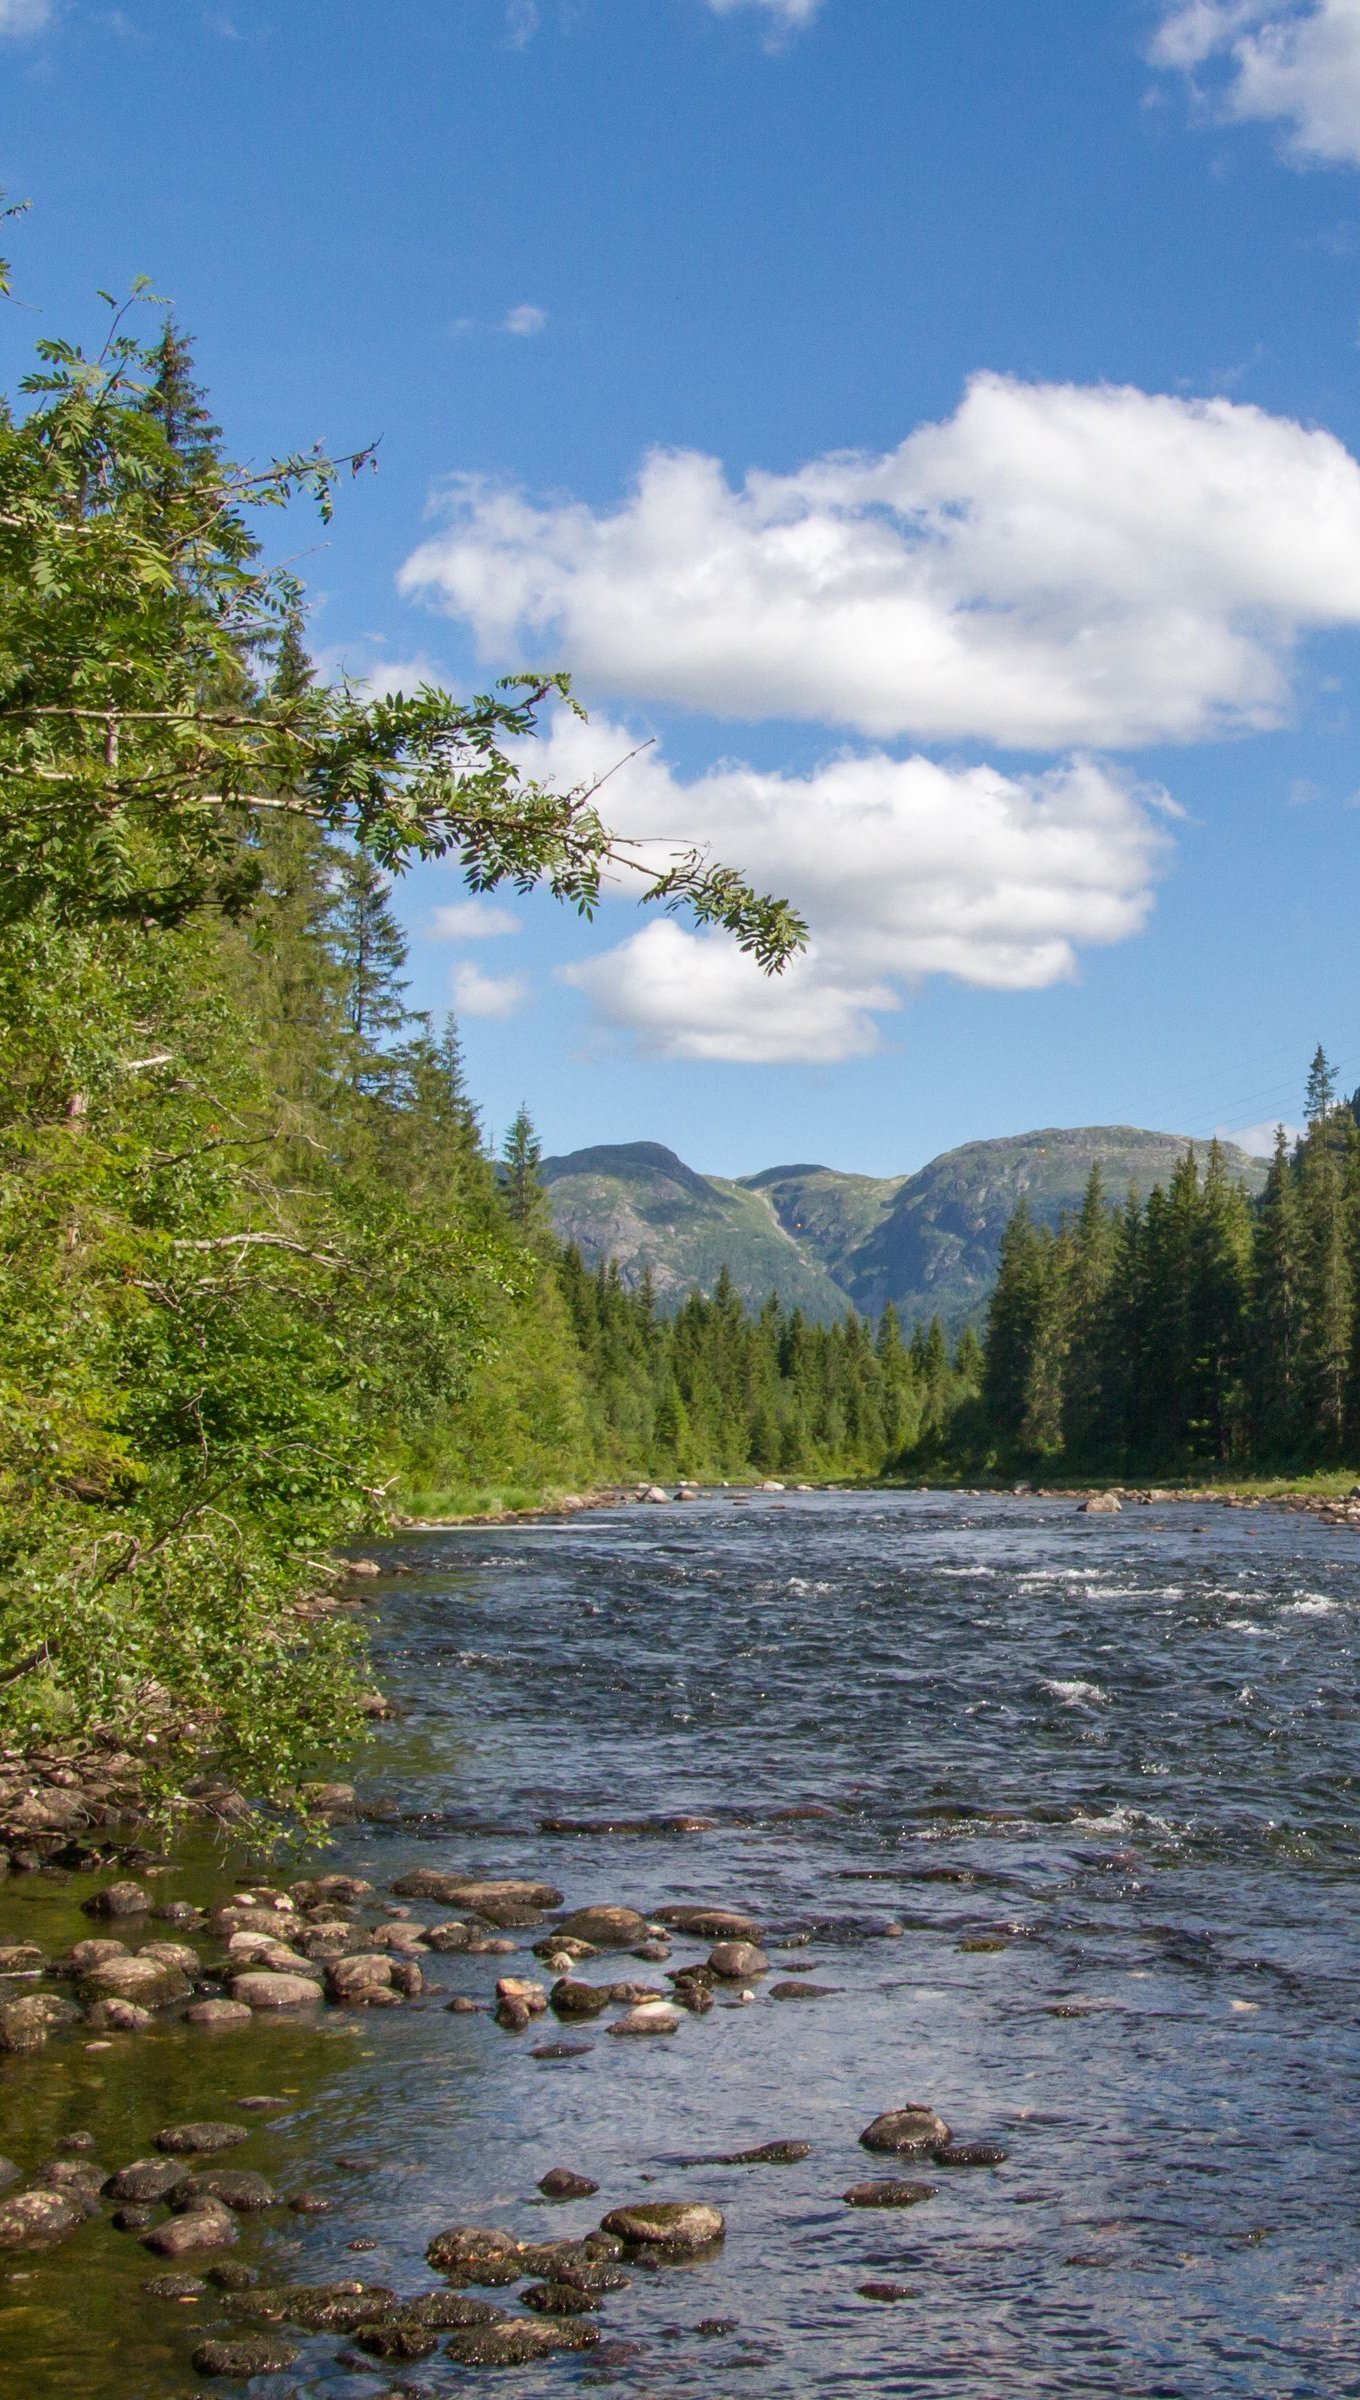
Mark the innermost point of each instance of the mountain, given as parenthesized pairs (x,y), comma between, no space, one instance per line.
(827,1241)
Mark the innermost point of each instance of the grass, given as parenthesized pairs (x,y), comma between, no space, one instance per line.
(446,1504)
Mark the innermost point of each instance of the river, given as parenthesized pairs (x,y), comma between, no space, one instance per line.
(1067,1806)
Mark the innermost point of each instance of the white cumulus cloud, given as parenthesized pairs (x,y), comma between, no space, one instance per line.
(1257,1140)
(1291,62)
(526,320)
(479,995)
(473,921)
(1054,565)
(903,868)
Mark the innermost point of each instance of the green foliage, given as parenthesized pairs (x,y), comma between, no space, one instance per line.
(254,1265)
(1196,1329)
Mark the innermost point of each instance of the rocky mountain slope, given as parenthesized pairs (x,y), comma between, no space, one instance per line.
(827,1241)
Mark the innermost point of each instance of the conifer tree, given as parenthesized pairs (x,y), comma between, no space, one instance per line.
(525,1200)
(370,951)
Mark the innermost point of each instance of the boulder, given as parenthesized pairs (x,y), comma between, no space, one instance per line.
(561,2183)
(651,2016)
(1101,1504)
(710,1924)
(146,1981)
(466,1891)
(117,1900)
(667,2228)
(262,1988)
(249,2354)
(354,1981)
(30,2219)
(570,1997)
(118,2016)
(210,2226)
(476,2254)
(146,2179)
(605,1927)
(24,2024)
(906,2130)
(453,1934)
(217,2016)
(736,1962)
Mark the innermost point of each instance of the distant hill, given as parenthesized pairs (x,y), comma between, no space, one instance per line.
(827,1241)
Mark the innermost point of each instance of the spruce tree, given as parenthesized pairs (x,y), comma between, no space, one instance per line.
(370,951)
(522,1193)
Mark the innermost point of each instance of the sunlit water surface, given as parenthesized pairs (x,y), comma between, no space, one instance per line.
(1125,1748)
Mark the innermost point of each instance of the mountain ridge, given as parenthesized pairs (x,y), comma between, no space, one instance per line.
(829,1240)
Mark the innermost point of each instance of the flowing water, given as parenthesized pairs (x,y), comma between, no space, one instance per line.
(1119,1752)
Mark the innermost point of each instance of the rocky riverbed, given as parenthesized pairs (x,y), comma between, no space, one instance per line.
(825,1944)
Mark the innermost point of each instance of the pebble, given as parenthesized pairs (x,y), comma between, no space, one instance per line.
(710,1924)
(803,1991)
(969,2154)
(884,2291)
(736,1961)
(562,2050)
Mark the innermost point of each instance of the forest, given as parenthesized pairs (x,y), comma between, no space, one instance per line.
(264,1286)
(1198,1330)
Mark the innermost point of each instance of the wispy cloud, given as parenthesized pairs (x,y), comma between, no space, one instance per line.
(524,320)
(22,18)
(521,22)
(787,16)
(1053,565)
(479,995)
(473,921)
(1295,63)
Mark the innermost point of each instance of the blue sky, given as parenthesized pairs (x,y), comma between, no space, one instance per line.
(932,427)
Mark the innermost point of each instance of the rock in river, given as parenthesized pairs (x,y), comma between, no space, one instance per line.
(667,2228)
(117,1900)
(560,2183)
(710,1924)
(466,1891)
(202,2138)
(888,2195)
(570,1997)
(518,2341)
(736,1962)
(31,2219)
(476,2254)
(148,1982)
(262,1988)
(209,2226)
(903,2131)
(653,2016)
(605,1927)
(251,2354)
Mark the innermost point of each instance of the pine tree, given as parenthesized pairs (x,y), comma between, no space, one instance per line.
(1320,1093)
(1277,1308)
(370,951)
(522,1192)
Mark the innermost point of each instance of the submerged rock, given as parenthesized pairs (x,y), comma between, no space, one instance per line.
(890,2194)
(253,2354)
(560,2300)
(517,2342)
(217,2016)
(605,1926)
(969,2154)
(202,2138)
(396,2337)
(710,1924)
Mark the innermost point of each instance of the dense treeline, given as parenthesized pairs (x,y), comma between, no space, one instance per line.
(258,1276)
(716,1392)
(1198,1329)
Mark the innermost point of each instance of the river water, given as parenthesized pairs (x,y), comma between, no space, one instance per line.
(1119,1752)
